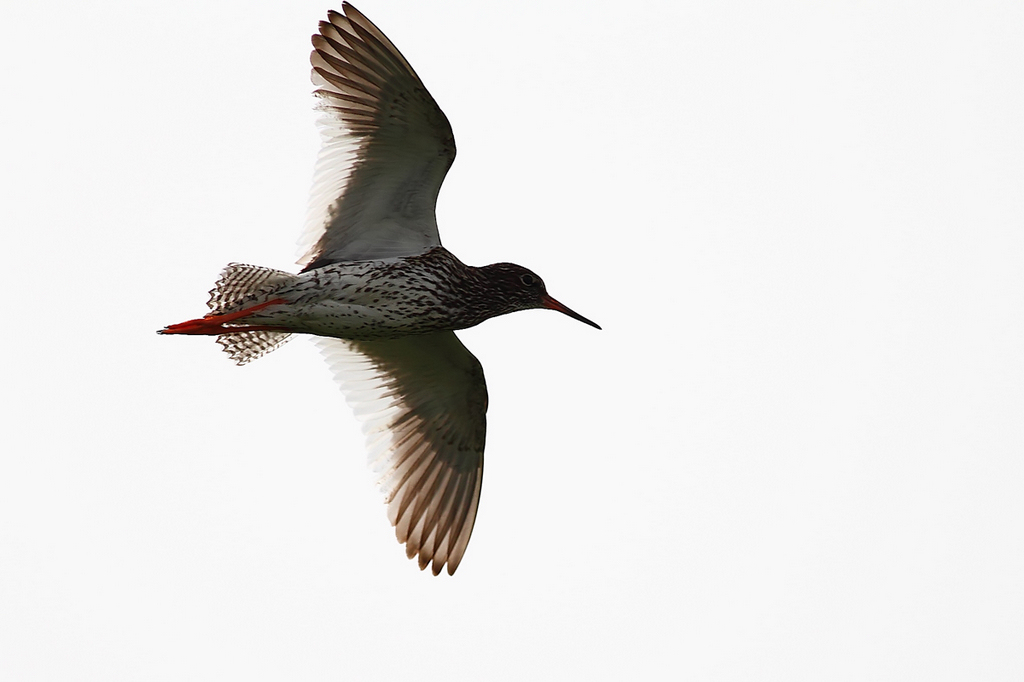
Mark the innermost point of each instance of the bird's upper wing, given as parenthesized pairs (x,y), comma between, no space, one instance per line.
(386,149)
(422,401)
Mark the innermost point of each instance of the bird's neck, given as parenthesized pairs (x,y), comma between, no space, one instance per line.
(473,294)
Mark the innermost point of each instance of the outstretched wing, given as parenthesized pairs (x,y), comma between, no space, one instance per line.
(422,401)
(386,149)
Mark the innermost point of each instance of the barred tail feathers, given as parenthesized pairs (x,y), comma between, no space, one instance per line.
(243,284)
(240,283)
(244,347)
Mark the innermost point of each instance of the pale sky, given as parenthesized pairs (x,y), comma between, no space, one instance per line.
(793,453)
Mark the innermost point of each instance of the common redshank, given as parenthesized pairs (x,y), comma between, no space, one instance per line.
(380,291)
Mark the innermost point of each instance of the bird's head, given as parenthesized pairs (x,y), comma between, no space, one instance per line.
(518,288)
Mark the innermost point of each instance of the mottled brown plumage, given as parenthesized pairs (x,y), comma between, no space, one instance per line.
(381,292)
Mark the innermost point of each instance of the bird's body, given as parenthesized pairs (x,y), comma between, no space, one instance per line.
(375,299)
(381,291)
(384,298)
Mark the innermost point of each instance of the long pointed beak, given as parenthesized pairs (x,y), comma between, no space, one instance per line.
(552,304)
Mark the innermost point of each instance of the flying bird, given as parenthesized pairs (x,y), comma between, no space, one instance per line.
(381,293)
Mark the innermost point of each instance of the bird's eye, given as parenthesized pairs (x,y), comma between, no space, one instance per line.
(528,280)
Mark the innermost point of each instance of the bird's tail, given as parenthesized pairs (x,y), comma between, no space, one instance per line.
(240,291)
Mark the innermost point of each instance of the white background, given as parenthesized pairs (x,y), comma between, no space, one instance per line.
(794,452)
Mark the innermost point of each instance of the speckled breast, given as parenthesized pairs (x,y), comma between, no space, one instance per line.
(377,299)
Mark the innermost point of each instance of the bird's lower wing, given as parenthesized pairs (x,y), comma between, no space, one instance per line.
(422,400)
